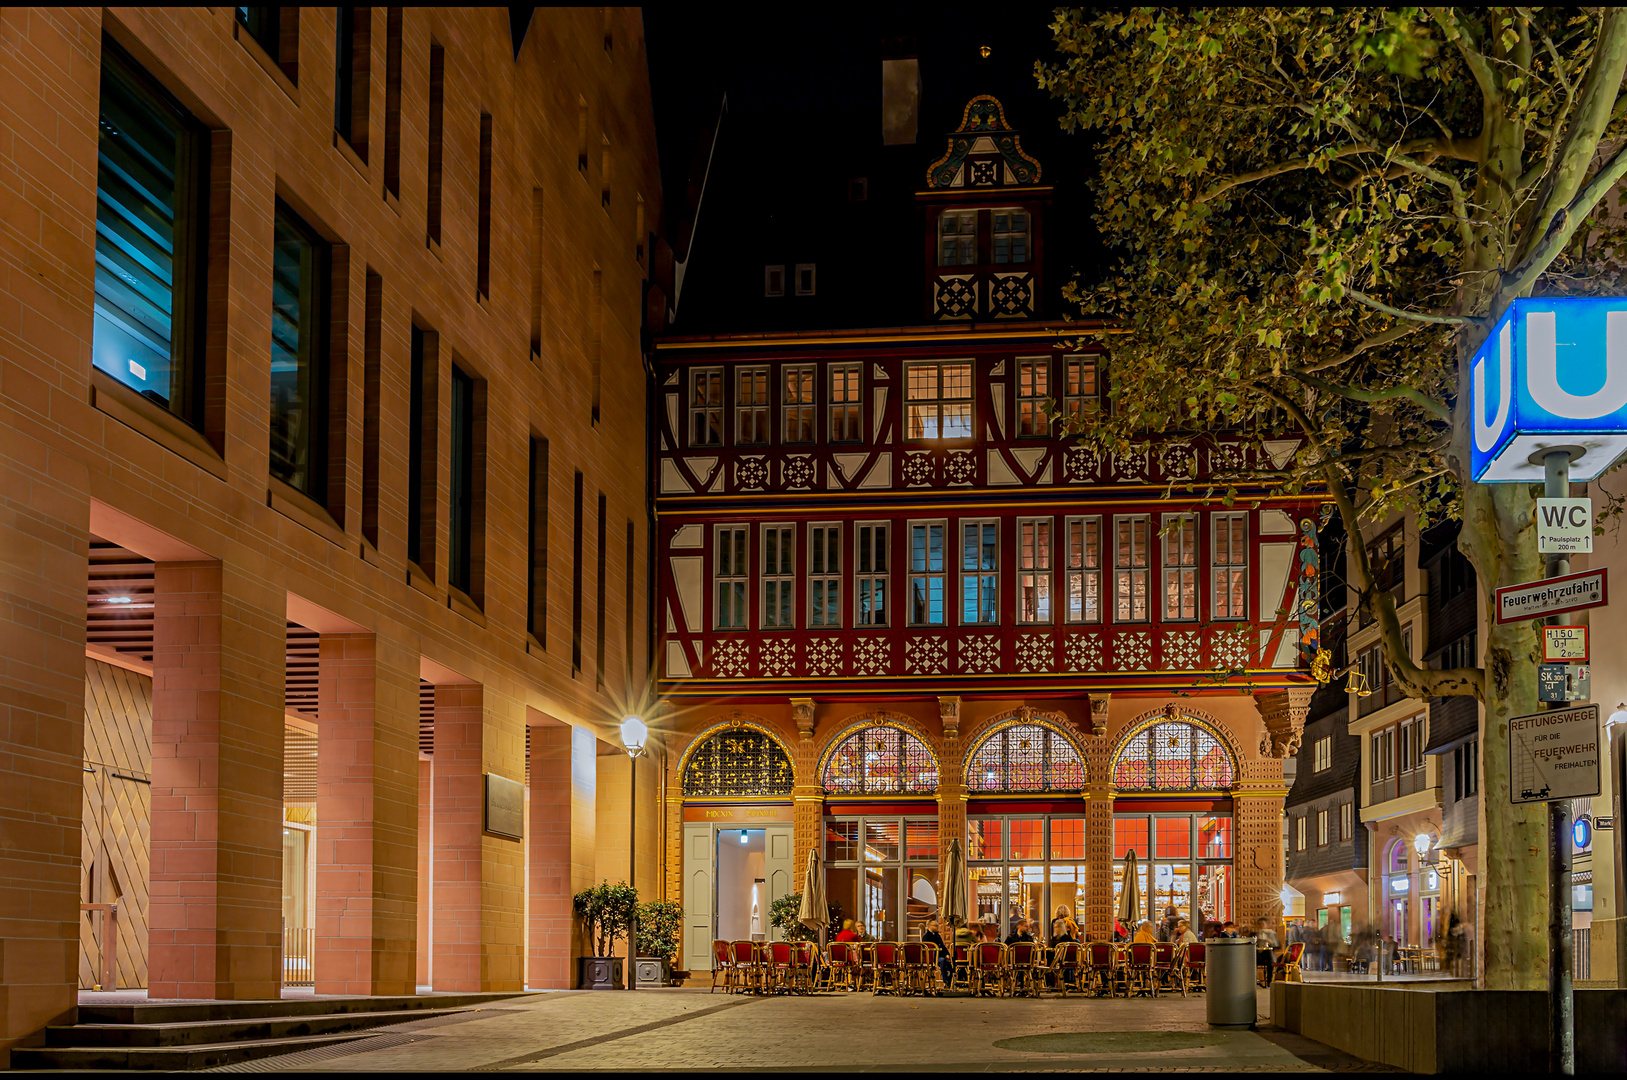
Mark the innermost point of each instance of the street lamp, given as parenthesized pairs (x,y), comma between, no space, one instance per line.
(634,734)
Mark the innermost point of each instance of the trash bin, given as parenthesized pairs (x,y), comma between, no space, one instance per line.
(1230,976)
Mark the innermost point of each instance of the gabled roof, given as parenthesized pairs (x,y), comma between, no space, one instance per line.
(983,141)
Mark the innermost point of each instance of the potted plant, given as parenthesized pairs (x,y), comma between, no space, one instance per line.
(782,916)
(605,910)
(660,928)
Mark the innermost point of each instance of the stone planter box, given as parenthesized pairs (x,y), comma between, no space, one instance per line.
(602,973)
(650,971)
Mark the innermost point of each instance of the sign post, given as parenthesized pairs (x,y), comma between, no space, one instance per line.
(1561,943)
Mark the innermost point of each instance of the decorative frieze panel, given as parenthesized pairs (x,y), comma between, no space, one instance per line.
(954,296)
(1011,296)
(1034,653)
(776,657)
(824,656)
(1083,652)
(926,654)
(872,656)
(979,654)
(1132,651)
(731,658)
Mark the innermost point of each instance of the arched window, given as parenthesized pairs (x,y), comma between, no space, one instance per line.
(1398,858)
(881,760)
(1173,755)
(1025,757)
(738,761)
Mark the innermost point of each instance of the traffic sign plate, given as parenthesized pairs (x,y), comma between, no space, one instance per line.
(1564,526)
(1554,755)
(1564,645)
(1563,682)
(1551,596)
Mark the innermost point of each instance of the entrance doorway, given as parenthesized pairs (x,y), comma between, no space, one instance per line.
(742,895)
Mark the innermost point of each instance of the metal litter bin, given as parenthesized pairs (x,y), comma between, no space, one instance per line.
(1230,975)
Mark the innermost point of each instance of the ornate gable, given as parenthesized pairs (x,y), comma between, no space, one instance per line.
(983,152)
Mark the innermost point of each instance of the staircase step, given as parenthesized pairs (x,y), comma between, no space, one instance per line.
(170,1057)
(183,1012)
(206,1032)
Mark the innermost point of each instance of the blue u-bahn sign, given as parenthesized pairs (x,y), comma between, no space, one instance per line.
(1552,373)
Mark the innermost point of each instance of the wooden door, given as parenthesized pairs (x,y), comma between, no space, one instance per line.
(700,889)
(779,869)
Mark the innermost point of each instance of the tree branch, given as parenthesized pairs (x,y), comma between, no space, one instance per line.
(1517,281)
(1416,316)
(1476,61)
(1439,147)
(1384,337)
(1435,408)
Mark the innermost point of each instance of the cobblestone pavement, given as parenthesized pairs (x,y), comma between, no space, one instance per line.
(689,1029)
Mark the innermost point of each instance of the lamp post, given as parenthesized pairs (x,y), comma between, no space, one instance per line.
(633,737)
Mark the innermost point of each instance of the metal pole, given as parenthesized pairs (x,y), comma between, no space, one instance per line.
(632,869)
(1561,1019)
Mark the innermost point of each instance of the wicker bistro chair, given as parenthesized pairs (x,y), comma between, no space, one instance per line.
(722,964)
(1102,971)
(1287,969)
(1193,967)
(867,965)
(1139,968)
(920,967)
(778,962)
(805,961)
(887,967)
(1069,965)
(1023,972)
(844,965)
(960,972)
(989,968)
(748,965)
(1163,966)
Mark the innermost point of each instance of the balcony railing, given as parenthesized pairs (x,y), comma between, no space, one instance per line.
(1396,786)
(298,950)
(1387,694)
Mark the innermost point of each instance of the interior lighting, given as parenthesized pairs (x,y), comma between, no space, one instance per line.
(743,838)
(1332,899)
(115,599)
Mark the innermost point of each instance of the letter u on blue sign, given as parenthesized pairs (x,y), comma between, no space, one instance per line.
(1552,373)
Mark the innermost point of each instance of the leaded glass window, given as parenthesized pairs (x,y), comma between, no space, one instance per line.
(1173,756)
(738,761)
(881,760)
(1025,757)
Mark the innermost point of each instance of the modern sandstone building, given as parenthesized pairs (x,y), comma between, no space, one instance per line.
(322,494)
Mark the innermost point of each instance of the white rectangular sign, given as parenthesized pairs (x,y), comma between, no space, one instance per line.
(1534,599)
(1554,755)
(1564,526)
(1564,645)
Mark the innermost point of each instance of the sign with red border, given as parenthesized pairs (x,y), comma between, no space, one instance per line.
(1552,596)
(1564,645)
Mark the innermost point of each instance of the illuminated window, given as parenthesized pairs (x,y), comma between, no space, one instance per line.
(940,400)
(798,404)
(1079,387)
(1322,754)
(1010,236)
(1034,570)
(926,573)
(1180,567)
(957,238)
(979,563)
(1230,565)
(870,580)
(824,575)
(779,576)
(738,761)
(706,407)
(878,760)
(1347,820)
(1025,757)
(730,574)
(1084,569)
(845,412)
(1173,756)
(1033,387)
(1130,568)
(1322,828)
(751,406)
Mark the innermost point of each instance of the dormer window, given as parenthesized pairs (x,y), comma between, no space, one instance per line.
(957,238)
(1010,236)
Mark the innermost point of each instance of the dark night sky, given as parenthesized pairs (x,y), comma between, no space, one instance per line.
(804,117)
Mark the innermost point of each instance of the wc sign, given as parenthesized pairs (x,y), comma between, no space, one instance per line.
(1552,374)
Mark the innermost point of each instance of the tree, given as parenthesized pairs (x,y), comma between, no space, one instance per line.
(1313,218)
(605,911)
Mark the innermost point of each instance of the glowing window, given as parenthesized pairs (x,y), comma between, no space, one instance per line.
(1025,757)
(1173,756)
(738,761)
(880,760)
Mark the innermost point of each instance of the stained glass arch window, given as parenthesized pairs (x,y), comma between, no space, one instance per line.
(1025,757)
(880,760)
(738,761)
(1173,755)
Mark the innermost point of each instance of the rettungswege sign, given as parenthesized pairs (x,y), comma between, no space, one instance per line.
(1554,755)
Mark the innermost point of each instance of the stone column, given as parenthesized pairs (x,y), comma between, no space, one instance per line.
(951,790)
(564,780)
(1257,858)
(367,817)
(1097,918)
(426,870)
(219,653)
(807,794)
(478,888)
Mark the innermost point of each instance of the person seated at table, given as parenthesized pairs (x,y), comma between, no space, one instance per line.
(1144,933)
(1063,928)
(1166,928)
(1022,933)
(847,932)
(1119,932)
(1184,934)
(965,934)
(989,929)
(864,935)
(946,960)
(1265,949)
(1228,929)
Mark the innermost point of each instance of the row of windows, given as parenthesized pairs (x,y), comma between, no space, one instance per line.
(1398,749)
(958,235)
(1057,572)
(938,401)
(1324,837)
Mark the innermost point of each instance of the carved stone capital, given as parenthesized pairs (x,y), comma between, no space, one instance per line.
(949,713)
(1098,714)
(1283,713)
(802,711)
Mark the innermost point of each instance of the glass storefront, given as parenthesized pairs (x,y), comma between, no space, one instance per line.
(1183,861)
(882,871)
(1025,866)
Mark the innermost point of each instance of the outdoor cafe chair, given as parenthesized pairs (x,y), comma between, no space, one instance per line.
(1068,963)
(1138,969)
(988,968)
(1287,969)
(748,965)
(920,967)
(1103,961)
(844,964)
(805,966)
(960,971)
(1023,972)
(1163,965)
(1193,969)
(867,965)
(722,964)
(888,968)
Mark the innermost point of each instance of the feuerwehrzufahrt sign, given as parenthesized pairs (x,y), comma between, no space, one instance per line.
(1554,755)
(1552,596)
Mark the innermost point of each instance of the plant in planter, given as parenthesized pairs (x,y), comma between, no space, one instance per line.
(660,926)
(782,915)
(605,910)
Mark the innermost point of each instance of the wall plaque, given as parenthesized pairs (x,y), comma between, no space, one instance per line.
(505,807)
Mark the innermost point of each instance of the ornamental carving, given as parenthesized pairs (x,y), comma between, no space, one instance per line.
(1132,651)
(979,654)
(1083,464)
(1283,714)
(738,761)
(872,656)
(776,657)
(1034,653)
(926,654)
(730,657)
(1181,650)
(1084,653)
(961,467)
(751,472)
(917,469)
(824,656)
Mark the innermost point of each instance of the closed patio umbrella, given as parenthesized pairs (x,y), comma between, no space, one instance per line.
(1130,895)
(952,899)
(814,913)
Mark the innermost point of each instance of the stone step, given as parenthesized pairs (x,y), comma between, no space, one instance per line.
(170,1058)
(177,1012)
(206,1032)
